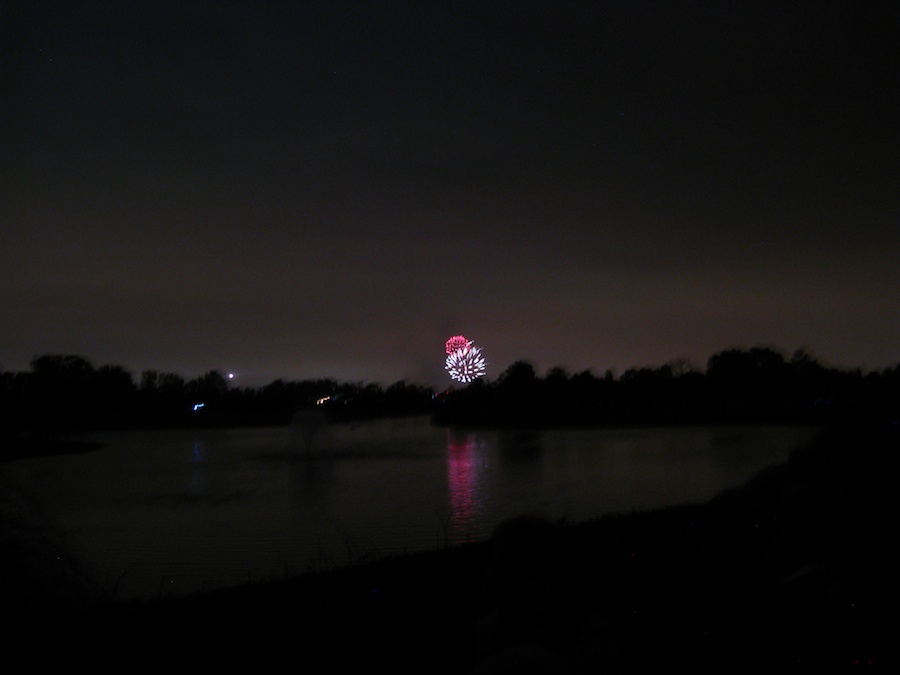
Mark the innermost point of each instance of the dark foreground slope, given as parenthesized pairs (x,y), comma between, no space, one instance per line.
(793,572)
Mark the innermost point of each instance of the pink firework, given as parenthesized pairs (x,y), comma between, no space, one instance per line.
(456,343)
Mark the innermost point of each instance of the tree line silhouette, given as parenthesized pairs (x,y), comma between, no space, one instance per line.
(752,386)
(64,392)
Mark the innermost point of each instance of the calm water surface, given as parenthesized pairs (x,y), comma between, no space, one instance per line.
(177,511)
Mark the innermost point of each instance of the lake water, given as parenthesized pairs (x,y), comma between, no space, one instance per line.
(177,511)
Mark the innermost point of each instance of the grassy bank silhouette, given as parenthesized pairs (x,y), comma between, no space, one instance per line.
(794,571)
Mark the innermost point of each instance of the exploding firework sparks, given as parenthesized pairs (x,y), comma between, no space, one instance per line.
(466,364)
(457,342)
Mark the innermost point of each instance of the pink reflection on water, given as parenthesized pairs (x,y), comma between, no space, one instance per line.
(464,468)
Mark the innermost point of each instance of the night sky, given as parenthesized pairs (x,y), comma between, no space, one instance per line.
(332,189)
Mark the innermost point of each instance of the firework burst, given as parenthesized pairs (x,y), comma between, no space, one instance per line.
(466,364)
(457,342)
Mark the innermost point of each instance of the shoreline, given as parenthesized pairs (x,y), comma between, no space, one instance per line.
(26,446)
(790,571)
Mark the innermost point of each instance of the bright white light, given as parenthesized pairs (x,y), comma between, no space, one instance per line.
(230,376)
(466,364)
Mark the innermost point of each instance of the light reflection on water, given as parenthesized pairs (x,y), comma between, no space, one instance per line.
(177,511)
(465,465)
